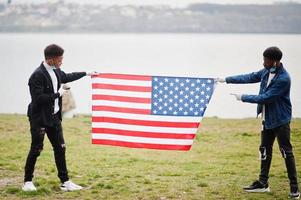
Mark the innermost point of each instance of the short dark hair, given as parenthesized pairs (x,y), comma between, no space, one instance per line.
(273,53)
(52,51)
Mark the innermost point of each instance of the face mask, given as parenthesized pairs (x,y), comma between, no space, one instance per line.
(273,70)
(267,67)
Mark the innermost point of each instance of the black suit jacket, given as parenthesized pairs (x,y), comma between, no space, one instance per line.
(41,108)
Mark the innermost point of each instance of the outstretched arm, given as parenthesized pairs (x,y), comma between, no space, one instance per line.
(254,77)
(275,91)
(69,77)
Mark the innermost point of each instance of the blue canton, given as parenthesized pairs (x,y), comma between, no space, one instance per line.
(175,96)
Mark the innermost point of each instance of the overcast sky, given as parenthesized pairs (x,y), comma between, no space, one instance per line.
(176,3)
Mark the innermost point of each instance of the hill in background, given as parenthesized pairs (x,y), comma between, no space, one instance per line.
(196,18)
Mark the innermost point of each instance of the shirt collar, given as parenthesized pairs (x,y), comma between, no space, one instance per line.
(48,67)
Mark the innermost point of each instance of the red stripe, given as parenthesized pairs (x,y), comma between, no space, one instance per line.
(121,87)
(124,76)
(122,110)
(146,122)
(142,134)
(120,98)
(142,145)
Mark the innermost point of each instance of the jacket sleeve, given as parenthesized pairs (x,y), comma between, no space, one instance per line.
(276,90)
(254,77)
(69,77)
(36,88)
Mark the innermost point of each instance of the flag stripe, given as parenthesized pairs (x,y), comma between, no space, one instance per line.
(122,93)
(124,76)
(120,98)
(142,139)
(123,82)
(143,128)
(142,145)
(147,117)
(145,122)
(121,87)
(121,109)
(121,104)
(142,133)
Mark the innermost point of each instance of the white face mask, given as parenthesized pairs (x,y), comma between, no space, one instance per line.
(51,66)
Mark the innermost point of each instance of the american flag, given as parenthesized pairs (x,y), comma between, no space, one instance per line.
(153,112)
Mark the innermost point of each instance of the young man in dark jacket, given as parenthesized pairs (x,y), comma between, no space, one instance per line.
(275,107)
(45,115)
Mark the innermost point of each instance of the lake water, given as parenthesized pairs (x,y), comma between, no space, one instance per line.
(195,55)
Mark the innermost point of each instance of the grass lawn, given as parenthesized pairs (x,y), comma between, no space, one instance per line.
(223,158)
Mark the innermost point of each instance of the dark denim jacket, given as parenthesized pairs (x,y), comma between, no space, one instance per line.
(276,97)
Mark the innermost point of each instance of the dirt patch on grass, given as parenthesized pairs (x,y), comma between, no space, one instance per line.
(4,182)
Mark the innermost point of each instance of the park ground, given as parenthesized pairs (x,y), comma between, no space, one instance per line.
(223,159)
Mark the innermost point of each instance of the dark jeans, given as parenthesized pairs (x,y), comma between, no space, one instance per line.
(282,133)
(55,136)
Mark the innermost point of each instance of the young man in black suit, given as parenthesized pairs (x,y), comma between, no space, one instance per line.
(46,85)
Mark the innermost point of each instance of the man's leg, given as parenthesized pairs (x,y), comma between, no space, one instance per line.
(55,135)
(266,151)
(37,138)
(286,149)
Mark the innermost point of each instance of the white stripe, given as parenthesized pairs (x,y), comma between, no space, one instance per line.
(146,117)
(122,93)
(121,104)
(122,82)
(142,139)
(144,128)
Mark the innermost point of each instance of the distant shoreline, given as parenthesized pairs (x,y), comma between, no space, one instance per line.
(61,17)
(149,33)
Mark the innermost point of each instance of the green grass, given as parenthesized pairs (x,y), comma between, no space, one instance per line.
(224,157)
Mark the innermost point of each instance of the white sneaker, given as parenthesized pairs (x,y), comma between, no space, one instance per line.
(28,186)
(70,186)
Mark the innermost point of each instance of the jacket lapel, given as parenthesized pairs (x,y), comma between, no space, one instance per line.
(46,74)
(272,81)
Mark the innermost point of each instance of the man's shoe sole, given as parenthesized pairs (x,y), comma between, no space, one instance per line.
(66,190)
(258,190)
(298,197)
(27,190)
